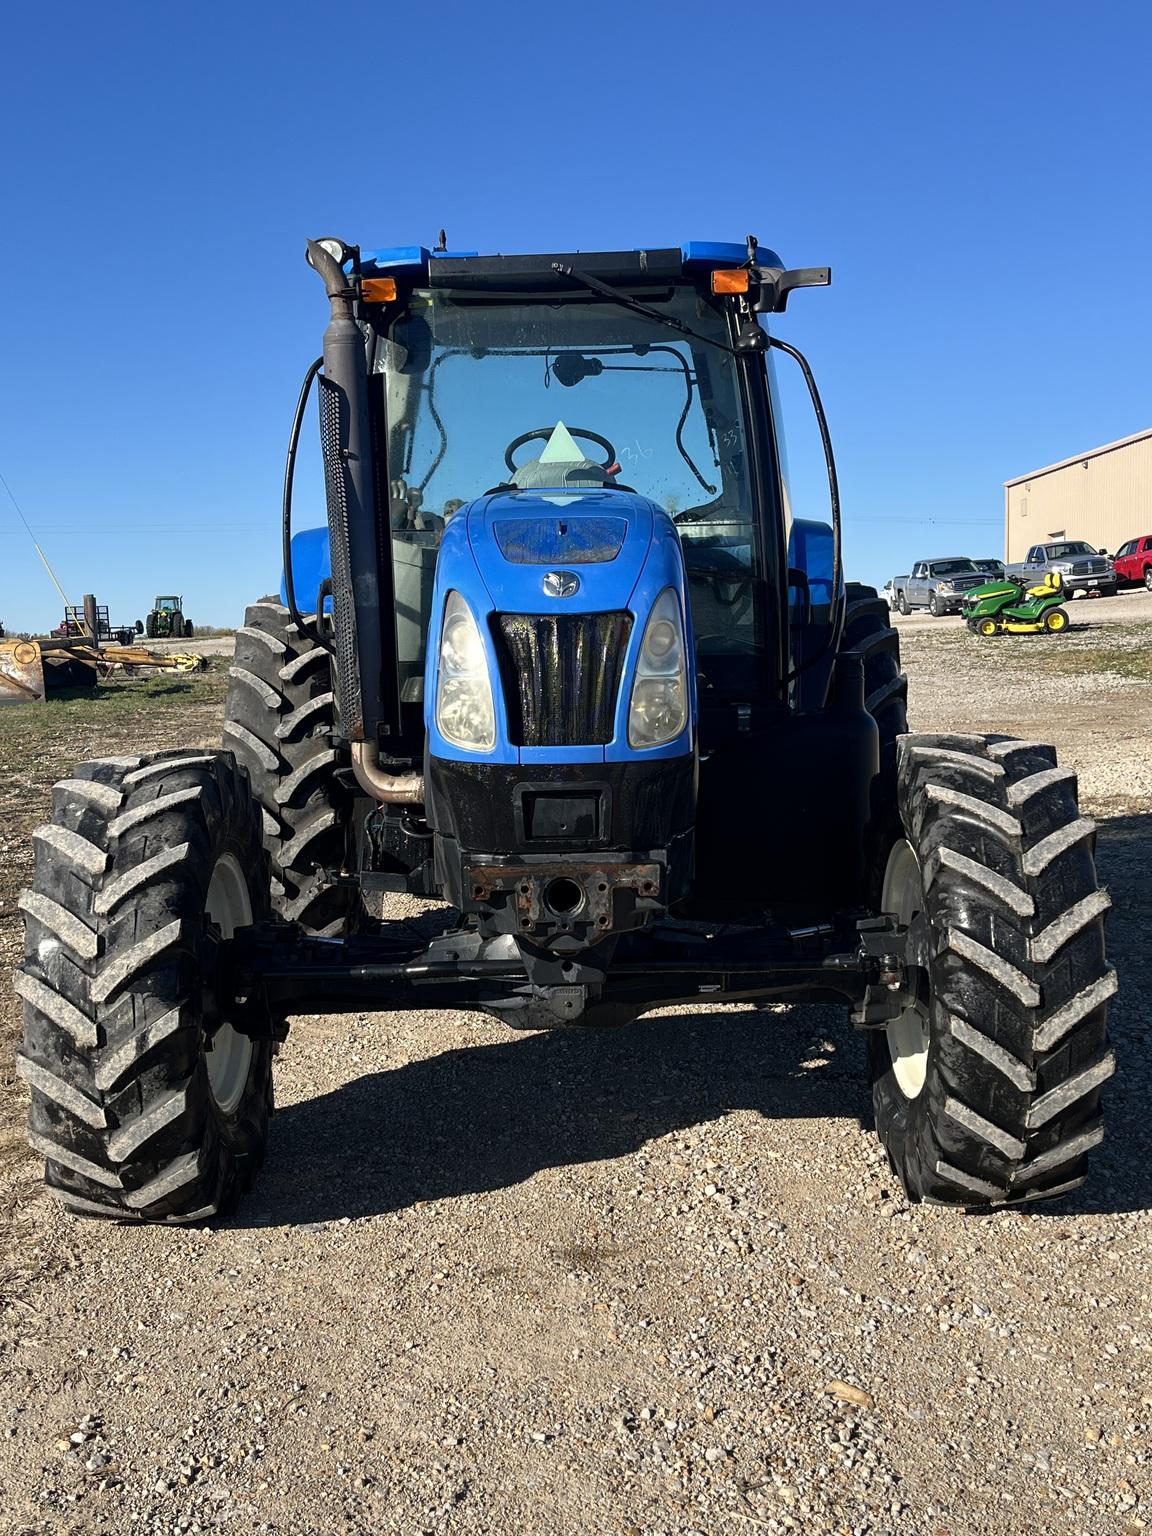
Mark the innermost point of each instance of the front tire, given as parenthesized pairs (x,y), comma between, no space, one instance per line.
(1148,578)
(986,1087)
(933,605)
(141,1107)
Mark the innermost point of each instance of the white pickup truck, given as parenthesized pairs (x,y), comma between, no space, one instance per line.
(938,585)
(1080,567)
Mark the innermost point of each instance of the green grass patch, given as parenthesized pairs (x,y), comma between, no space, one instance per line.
(137,714)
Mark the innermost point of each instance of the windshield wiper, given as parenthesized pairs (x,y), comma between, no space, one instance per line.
(626,301)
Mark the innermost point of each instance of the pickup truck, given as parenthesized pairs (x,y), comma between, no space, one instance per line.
(938,585)
(1081,567)
(1133,562)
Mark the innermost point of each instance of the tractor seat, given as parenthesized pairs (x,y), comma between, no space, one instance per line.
(545,475)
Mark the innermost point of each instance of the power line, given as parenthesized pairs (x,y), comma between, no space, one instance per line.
(96,529)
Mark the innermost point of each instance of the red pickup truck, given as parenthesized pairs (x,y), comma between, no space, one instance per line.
(1133,562)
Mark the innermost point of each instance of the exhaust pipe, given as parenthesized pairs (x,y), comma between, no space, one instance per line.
(392,788)
(361,591)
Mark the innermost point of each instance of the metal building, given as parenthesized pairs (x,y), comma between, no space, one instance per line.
(1104,496)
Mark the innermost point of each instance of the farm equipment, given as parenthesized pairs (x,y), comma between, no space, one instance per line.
(595,689)
(90,621)
(30,670)
(1010,606)
(166,621)
(33,670)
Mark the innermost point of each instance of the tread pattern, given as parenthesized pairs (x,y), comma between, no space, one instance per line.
(280,719)
(1020,982)
(870,634)
(113,1051)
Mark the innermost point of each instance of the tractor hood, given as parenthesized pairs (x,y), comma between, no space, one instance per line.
(550,563)
(561,551)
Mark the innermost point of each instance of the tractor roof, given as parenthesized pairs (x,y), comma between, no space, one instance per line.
(464,269)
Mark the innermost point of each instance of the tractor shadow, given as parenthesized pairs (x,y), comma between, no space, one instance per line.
(488,1116)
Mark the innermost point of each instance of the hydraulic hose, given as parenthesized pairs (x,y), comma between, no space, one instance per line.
(838,602)
(314,631)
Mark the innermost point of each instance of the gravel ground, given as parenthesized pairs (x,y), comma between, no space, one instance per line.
(644,1283)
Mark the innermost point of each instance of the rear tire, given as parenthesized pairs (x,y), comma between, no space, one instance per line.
(870,634)
(189,629)
(279,721)
(986,1090)
(150,627)
(902,605)
(136,1115)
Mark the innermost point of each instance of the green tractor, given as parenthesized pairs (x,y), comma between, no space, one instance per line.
(166,620)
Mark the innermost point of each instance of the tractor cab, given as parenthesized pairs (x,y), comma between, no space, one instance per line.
(592,575)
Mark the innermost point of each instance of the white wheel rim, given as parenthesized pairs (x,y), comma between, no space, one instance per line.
(908,1037)
(230,1057)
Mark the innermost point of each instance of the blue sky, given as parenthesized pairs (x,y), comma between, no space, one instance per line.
(976,175)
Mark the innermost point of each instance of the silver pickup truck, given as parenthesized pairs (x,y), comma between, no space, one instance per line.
(938,585)
(1081,567)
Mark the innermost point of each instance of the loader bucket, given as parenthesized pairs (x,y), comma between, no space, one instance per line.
(21,672)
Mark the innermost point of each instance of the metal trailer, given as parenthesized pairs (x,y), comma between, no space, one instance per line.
(594,688)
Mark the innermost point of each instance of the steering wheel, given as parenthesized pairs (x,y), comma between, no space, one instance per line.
(546,433)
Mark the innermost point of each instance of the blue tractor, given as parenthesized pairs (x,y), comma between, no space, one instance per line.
(563,660)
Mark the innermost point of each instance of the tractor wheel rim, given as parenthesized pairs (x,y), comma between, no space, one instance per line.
(908,1035)
(230,907)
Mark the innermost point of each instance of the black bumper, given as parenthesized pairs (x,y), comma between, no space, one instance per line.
(574,852)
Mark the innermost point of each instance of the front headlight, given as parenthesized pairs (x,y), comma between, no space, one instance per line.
(1064,567)
(659,708)
(465,715)
(946,586)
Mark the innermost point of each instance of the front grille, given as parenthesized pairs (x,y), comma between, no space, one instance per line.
(1089,567)
(561,675)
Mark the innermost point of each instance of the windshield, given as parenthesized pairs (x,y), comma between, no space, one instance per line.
(951,568)
(467,376)
(1065,551)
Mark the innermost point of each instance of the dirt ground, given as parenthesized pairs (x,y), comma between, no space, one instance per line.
(652,1282)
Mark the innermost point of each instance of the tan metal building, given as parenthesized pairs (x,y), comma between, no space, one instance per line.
(1104,496)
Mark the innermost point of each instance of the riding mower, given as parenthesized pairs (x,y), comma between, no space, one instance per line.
(1010,606)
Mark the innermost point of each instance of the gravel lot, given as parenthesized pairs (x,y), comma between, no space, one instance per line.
(643,1283)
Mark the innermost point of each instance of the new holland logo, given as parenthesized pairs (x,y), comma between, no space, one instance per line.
(561,583)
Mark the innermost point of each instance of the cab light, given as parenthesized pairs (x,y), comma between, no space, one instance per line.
(378,290)
(733,281)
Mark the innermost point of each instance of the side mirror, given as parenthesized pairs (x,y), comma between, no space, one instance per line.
(776,284)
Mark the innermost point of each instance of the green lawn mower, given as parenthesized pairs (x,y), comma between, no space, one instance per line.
(1009,606)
